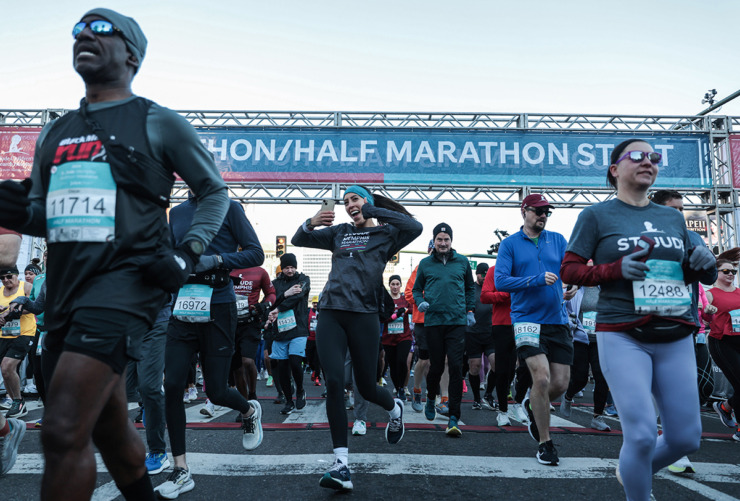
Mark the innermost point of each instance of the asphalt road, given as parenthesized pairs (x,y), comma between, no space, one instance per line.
(486,462)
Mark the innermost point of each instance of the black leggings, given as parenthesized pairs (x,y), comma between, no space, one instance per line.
(585,355)
(726,354)
(336,332)
(704,372)
(183,341)
(285,367)
(313,357)
(397,358)
(503,339)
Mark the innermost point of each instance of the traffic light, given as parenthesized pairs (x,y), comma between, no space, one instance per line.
(394,258)
(280,245)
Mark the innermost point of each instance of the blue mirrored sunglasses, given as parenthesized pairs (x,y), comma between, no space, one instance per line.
(99,27)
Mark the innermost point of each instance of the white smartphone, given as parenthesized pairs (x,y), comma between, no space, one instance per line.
(327,205)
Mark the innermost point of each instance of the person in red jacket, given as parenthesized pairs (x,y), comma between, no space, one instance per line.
(724,334)
(503,336)
(250,318)
(311,353)
(397,337)
(422,350)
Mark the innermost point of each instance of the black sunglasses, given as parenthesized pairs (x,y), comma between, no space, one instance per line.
(99,27)
(540,211)
(729,272)
(6,277)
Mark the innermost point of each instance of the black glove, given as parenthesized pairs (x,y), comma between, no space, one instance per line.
(172,269)
(14,202)
(400,312)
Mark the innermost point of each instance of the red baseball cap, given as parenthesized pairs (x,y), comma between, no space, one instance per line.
(535,200)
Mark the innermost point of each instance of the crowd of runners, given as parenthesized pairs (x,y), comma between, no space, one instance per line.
(139,302)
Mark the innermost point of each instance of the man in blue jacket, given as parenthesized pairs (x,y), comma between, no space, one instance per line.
(527,266)
(445,293)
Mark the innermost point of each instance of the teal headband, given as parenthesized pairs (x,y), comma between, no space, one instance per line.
(359,190)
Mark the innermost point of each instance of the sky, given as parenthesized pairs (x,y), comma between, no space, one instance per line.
(629,57)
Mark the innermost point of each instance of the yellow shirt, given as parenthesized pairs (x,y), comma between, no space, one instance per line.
(28,320)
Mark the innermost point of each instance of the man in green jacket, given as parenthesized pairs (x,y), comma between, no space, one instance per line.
(444,291)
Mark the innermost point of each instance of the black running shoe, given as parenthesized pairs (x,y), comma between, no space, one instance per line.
(289,408)
(279,400)
(337,477)
(490,402)
(546,454)
(532,426)
(394,430)
(300,400)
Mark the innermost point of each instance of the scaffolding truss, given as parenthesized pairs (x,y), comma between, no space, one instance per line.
(720,201)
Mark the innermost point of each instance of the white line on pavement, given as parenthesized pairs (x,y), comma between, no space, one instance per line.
(407,464)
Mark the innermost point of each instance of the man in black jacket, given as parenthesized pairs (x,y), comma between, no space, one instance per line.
(290,329)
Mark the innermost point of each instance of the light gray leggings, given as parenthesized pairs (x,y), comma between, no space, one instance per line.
(636,372)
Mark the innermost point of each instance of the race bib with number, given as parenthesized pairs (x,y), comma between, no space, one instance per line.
(735,317)
(527,334)
(286,321)
(312,326)
(396,327)
(242,306)
(81,203)
(12,328)
(662,292)
(589,321)
(40,346)
(193,303)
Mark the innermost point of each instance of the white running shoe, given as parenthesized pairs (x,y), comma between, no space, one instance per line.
(193,393)
(598,423)
(186,397)
(502,419)
(6,403)
(252,427)
(681,466)
(359,428)
(179,482)
(208,409)
(521,414)
(9,444)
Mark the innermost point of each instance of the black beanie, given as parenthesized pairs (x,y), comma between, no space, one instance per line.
(481,269)
(288,260)
(395,277)
(442,228)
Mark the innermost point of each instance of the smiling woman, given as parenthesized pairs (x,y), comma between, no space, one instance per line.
(644,263)
(350,305)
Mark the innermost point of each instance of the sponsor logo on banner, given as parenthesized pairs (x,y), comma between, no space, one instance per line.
(17,145)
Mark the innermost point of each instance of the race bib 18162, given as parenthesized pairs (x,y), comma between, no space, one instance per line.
(527,334)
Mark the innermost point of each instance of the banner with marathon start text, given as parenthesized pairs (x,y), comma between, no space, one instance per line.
(485,158)
(422,156)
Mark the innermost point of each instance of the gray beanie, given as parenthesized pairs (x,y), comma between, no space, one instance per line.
(132,34)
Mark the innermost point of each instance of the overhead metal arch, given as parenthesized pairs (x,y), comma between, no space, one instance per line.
(721,200)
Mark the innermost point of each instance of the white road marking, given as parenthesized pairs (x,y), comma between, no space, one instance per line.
(245,465)
(693,485)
